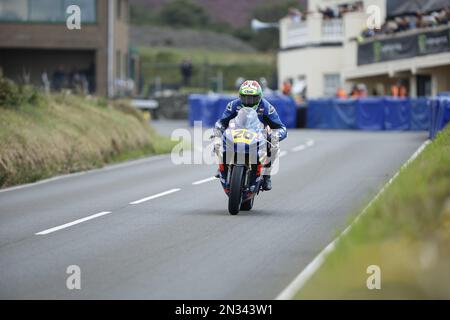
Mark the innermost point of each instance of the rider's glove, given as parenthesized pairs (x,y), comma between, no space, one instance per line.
(274,136)
(219,129)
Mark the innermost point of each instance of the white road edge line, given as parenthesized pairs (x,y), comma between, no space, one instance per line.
(155,196)
(283,153)
(204,180)
(72,223)
(301,279)
(77,174)
(310,143)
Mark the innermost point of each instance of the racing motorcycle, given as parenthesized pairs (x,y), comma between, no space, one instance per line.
(242,151)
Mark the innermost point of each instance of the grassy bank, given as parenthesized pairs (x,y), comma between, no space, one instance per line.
(164,63)
(50,135)
(406,232)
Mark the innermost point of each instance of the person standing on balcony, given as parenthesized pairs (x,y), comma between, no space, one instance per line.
(295,15)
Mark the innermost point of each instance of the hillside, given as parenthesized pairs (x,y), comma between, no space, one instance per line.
(158,36)
(236,13)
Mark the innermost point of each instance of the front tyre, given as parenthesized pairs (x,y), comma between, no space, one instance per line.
(235,195)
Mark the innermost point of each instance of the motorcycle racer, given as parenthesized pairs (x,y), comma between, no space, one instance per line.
(250,96)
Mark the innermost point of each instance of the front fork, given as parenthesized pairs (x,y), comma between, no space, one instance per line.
(273,151)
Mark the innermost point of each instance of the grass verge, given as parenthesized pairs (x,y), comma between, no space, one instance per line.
(63,133)
(406,233)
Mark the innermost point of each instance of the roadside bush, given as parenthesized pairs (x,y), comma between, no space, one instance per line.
(124,105)
(9,94)
(13,96)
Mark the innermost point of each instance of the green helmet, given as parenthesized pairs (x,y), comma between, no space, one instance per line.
(250,94)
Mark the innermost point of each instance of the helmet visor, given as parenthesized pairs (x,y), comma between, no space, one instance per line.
(250,101)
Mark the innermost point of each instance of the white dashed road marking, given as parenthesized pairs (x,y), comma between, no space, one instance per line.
(155,196)
(204,180)
(73,223)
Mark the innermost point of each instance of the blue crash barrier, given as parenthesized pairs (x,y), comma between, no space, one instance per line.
(420,114)
(196,102)
(209,108)
(319,113)
(440,114)
(344,115)
(286,109)
(370,114)
(331,114)
(397,113)
(380,113)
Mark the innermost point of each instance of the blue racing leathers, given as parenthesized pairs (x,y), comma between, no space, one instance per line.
(266,114)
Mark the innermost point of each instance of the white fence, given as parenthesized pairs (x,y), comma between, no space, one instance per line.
(297,34)
(332,30)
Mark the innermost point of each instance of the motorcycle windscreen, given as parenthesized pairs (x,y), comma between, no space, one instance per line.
(247,118)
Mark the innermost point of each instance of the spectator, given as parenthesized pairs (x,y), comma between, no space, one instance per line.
(341,94)
(354,93)
(443,17)
(58,78)
(45,82)
(362,90)
(287,87)
(90,78)
(295,15)
(328,13)
(186,71)
(298,90)
(411,22)
(399,89)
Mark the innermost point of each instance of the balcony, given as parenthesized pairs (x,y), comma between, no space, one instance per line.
(297,34)
(403,46)
(332,30)
(312,31)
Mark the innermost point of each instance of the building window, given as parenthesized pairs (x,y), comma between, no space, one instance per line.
(118,64)
(332,83)
(126,65)
(88,9)
(119,9)
(45,11)
(13,10)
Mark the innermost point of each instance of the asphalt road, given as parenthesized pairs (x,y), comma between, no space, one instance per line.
(183,244)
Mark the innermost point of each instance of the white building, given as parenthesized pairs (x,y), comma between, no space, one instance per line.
(324,53)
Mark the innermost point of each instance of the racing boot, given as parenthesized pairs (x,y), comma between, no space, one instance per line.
(267,183)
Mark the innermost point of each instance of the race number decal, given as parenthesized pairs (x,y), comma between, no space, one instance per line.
(243,135)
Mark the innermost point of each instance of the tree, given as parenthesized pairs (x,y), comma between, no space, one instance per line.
(141,15)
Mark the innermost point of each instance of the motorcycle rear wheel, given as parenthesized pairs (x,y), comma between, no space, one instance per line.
(235,195)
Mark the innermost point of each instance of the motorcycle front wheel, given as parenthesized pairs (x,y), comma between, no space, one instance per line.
(235,195)
(247,205)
